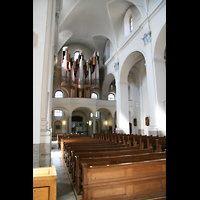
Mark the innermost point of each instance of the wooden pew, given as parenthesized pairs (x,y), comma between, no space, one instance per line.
(72,161)
(94,149)
(44,183)
(59,135)
(142,180)
(89,146)
(95,161)
(156,144)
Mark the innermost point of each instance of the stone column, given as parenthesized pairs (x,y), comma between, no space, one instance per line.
(113,123)
(70,124)
(94,122)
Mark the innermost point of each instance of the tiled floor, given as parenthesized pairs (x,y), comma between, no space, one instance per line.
(64,188)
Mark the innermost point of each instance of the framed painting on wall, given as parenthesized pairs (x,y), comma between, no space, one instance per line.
(147,121)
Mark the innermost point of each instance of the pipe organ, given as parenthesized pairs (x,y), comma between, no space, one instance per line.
(79,76)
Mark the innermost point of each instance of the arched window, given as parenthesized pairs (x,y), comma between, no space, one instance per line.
(58,94)
(76,55)
(131,24)
(111,97)
(94,96)
(97,115)
(58,114)
(128,22)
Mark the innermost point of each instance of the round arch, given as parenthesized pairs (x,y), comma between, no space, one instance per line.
(106,83)
(61,108)
(85,108)
(160,43)
(133,57)
(65,91)
(160,74)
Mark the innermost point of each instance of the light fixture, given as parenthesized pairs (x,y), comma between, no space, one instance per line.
(64,122)
(106,122)
(90,123)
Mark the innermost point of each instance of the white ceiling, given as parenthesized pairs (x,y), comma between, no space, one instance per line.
(92,22)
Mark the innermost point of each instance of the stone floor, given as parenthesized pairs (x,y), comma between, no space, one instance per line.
(64,188)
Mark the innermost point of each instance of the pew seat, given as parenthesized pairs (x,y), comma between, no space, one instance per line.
(44,183)
(139,180)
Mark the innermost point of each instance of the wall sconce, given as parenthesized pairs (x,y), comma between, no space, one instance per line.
(106,122)
(64,122)
(90,123)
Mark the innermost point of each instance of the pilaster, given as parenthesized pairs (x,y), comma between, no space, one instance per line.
(151,82)
(122,107)
(94,122)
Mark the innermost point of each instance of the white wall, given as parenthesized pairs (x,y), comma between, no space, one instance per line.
(153,21)
(86,51)
(39,28)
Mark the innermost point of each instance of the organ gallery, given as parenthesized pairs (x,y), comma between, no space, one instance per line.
(80,76)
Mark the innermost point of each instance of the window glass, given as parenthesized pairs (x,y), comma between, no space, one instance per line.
(94,96)
(58,94)
(131,24)
(76,55)
(58,114)
(111,97)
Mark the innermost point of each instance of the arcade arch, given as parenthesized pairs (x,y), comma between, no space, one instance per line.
(132,94)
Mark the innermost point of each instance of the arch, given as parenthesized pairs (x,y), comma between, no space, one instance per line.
(61,108)
(105,111)
(94,95)
(83,108)
(95,91)
(111,96)
(160,43)
(77,118)
(58,94)
(65,91)
(133,57)
(160,72)
(107,50)
(55,131)
(131,18)
(106,84)
(127,17)
(99,40)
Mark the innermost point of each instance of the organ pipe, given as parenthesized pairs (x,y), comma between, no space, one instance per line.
(80,73)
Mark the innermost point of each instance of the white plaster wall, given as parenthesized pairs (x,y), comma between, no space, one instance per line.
(154,20)
(39,28)
(87,52)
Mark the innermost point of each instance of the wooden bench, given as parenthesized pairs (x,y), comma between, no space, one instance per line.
(94,149)
(44,183)
(88,146)
(133,140)
(95,161)
(158,145)
(136,180)
(72,161)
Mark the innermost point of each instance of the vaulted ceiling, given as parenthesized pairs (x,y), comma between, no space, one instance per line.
(92,22)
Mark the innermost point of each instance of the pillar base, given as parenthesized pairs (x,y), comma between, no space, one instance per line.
(45,155)
(153,131)
(36,151)
(120,131)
